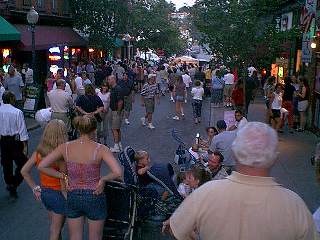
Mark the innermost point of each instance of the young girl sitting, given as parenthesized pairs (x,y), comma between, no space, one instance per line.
(143,164)
(197,176)
(183,187)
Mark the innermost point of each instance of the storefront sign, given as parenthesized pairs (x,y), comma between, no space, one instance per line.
(286,21)
(306,48)
(32,97)
(307,21)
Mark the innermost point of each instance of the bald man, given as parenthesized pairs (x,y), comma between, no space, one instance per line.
(247,205)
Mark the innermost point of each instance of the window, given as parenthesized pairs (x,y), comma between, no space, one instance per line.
(26,2)
(54,5)
(40,3)
(66,7)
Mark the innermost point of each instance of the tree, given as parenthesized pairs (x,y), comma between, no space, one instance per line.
(146,20)
(101,20)
(151,25)
(241,32)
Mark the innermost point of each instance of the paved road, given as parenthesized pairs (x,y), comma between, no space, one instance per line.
(26,219)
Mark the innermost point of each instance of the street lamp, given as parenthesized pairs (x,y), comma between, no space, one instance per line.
(127,39)
(32,18)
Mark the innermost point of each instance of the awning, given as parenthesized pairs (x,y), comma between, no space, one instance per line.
(7,31)
(49,36)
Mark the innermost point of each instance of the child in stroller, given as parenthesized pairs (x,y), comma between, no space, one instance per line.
(157,195)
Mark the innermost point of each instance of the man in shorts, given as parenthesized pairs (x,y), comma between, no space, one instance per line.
(149,93)
(228,87)
(127,89)
(116,113)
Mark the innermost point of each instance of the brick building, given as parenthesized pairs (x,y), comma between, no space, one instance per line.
(56,43)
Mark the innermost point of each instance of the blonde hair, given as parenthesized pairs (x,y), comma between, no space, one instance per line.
(139,155)
(54,134)
(85,124)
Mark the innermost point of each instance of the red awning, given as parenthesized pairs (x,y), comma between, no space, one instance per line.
(49,36)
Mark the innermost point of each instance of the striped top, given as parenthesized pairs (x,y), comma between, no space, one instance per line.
(150,90)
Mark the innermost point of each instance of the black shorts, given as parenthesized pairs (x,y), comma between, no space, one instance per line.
(275,113)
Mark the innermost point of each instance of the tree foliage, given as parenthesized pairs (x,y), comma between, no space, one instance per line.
(241,32)
(146,20)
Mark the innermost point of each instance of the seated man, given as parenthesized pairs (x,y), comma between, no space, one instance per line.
(240,121)
(215,160)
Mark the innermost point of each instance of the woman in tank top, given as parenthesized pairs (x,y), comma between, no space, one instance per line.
(51,192)
(303,102)
(276,102)
(85,186)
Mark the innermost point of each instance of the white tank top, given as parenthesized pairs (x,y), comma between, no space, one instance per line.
(277,101)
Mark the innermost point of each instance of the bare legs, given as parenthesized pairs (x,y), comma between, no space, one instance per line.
(56,224)
(76,228)
(302,120)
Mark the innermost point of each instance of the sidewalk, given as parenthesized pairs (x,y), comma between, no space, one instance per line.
(31,123)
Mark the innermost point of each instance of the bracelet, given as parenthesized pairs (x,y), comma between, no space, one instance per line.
(36,189)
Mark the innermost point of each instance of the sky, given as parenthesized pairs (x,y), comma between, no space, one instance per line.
(181,3)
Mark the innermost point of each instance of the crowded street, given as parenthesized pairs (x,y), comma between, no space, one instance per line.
(160,120)
(24,216)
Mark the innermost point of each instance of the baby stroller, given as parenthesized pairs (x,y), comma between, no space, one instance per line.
(183,158)
(130,206)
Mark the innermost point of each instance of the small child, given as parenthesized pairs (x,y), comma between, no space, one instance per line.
(197,176)
(183,187)
(143,165)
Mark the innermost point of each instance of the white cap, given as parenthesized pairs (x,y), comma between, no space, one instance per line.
(151,75)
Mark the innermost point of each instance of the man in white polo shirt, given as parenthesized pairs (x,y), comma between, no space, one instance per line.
(229,85)
(247,205)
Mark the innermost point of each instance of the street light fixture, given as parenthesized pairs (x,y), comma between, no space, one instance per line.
(32,18)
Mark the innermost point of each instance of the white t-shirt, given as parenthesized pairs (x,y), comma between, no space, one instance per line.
(197,93)
(67,89)
(277,101)
(241,123)
(228,79)
(105,98)
(79,83)
(2,90)
(186,79)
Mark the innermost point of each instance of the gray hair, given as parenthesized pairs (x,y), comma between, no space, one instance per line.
(256,145)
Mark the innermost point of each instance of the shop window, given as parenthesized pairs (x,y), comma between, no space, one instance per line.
(40,3)
(54,5)
(26,2)
(66,7)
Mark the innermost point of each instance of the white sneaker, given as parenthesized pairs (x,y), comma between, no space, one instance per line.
(126,121)
(150,126)
(115,149)
(171,99)
(176,118)
(143,121)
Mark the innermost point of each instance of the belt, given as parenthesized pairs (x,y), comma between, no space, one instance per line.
(8,137)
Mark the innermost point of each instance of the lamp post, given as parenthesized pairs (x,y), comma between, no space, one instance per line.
(127,39)
(32,18)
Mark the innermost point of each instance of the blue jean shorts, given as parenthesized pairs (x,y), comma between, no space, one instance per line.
(85,203)
(53,200)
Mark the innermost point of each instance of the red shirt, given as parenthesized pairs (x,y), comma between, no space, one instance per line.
(237,96)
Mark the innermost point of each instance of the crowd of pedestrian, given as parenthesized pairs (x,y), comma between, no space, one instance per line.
(92,100)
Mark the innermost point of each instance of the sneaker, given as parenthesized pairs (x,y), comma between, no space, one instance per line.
(150,126)
(176,118)
(126,121)
(171,99)
(115,149)
(143,121)
(182,116)
(12,191)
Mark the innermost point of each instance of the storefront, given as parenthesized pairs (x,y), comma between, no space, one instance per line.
(56,47)
(9,37)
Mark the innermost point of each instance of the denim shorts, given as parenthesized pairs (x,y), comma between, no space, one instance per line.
(53,200)
(85,203)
